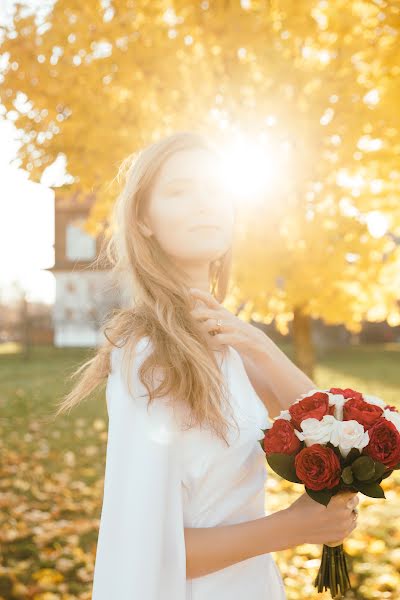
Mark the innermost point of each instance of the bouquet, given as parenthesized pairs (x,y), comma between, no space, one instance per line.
(332,441)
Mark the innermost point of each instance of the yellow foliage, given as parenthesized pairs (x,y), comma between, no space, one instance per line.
(97,81)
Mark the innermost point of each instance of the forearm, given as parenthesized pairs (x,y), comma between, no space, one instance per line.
(286,379)
(260,382)
(210,549)
(277,380)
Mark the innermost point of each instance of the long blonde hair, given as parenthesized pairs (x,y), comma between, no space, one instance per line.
(161,302)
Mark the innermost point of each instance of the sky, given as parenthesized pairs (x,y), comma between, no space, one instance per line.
(26,215)
(26,228)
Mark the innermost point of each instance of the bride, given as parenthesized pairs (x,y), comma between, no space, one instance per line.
(189,389)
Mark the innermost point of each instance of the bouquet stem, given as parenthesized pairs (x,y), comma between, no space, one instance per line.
(333,574)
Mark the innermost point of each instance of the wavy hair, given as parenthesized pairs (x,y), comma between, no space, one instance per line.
(159,302)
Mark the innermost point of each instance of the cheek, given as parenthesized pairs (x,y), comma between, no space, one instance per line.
(172,237)
(169,222)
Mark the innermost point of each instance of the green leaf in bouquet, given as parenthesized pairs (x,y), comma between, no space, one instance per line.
(336,451)
(347,475)
(283,465)
(379,470)
(320,496)
(352,455)
(386,474)
(373,489)
(363,468)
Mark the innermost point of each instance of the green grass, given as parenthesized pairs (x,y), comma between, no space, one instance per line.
(52,478)
(374,369)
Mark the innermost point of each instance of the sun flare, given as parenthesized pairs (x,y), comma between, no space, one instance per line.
(250,167)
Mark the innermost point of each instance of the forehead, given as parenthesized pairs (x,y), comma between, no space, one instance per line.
(195,164)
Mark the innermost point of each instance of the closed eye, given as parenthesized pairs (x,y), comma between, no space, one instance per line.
(177,192)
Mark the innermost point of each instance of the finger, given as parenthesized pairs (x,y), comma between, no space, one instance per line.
(214,343)
(208,324)
(342,499)
(204,313)
(206,297)
(346,496)
(223,339)
(353,503)
(211,320)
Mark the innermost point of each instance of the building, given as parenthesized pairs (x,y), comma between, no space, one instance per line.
(83,294)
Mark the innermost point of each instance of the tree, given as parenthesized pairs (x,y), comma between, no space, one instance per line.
(318,83)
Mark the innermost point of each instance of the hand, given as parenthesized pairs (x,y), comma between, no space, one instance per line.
(243,336)
(319,524)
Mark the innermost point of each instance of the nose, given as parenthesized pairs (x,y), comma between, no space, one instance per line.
(205,200)
(208,199)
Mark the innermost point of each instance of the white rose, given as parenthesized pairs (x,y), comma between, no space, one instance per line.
(315,431)
(393,417)
(374,400)
(338,401)
(284,414)
(349,434)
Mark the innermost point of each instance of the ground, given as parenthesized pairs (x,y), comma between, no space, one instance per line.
(52,479)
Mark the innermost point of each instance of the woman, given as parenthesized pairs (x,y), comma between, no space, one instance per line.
(183,506)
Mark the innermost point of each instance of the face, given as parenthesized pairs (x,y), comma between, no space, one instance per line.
(189,210)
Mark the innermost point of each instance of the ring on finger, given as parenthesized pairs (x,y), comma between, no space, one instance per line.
(216,329)
(219,325)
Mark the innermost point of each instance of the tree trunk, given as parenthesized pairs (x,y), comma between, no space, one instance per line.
(304,355)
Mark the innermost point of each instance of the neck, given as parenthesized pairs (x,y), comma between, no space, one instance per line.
(198,277)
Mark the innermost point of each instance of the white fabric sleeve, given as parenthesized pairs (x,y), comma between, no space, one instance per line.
(140,551)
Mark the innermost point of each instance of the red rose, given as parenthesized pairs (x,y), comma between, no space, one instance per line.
(390,407)
(384,443)
(281,438)
(365,413)
(315,406)
(347,393)
(318,467)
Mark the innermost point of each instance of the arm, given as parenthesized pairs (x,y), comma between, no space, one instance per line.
(209,549)
(261,383)
(303,522)
(275,378)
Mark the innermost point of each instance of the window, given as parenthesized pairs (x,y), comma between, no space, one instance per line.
(79,244)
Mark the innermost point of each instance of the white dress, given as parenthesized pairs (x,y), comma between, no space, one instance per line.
(159,480)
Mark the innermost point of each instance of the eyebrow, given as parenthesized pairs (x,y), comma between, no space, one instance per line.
(175,179)
(183,179)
